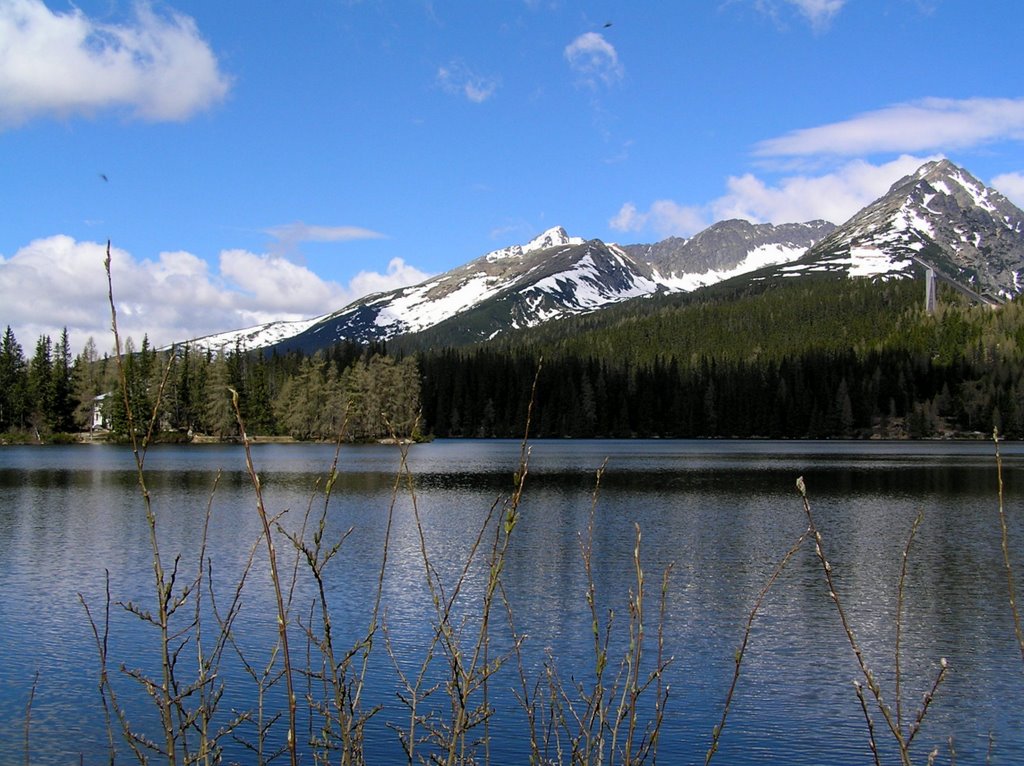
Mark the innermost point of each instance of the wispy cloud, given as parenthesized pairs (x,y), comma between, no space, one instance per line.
(157,67)
(932,124)
(594,60)
(818,12)
(289,236)
(58,282)
(459,80)
(834,196)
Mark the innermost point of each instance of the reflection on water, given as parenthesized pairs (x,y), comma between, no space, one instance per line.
(722,513)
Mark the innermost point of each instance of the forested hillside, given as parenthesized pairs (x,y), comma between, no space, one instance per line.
(829,358)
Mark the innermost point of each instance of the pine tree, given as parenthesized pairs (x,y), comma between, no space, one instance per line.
(62,413)
(259,416)
(218,412)
(13,383)
(41,392)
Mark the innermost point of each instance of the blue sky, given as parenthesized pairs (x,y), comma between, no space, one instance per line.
(267,160)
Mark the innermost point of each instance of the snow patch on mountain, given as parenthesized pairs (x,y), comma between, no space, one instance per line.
(584,287)
(416,309)
(259,336)
(758,258)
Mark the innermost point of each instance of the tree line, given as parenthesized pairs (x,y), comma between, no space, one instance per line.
(842,358)
(350,391)
(813,395)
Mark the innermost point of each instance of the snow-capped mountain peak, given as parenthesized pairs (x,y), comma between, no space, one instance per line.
(553,237)
(940,217)
(556,236)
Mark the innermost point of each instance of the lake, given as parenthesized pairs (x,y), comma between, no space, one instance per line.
(721,513)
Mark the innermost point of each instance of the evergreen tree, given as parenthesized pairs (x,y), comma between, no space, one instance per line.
(41,392)
(62,412)
(13,383)
(131,384)
(87,384)
(218,412)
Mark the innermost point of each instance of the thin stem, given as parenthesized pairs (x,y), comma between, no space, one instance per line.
(716,733)
(851,638)
(899,616)
(1005,536)
(282,615)
(163,589)
(870,723)
(28,717)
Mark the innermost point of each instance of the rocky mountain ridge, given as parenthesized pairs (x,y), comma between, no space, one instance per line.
(939,217)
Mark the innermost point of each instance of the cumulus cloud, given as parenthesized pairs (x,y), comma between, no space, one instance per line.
(664,217)
(594,60)
(457,79)
(157,67)
(399,274)
(932,124)
(59,282)
(833,196)
(1012,186)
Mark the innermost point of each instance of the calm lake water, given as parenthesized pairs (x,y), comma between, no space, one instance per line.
(722,513)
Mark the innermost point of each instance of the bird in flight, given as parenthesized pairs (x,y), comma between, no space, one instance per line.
(104,176)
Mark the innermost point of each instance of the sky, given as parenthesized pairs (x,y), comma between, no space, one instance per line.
(256,161)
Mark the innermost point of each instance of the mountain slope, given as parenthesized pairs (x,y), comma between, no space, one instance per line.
(727,249)
(939,217)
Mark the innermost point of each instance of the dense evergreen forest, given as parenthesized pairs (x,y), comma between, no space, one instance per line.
(810,359)
(806,359)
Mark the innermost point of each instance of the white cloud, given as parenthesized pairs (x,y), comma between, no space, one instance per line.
(157,67)
(594,60)
(399,274)
(1012,187)
(457,79)
(818,12)
(664,217)
(834,196)
(932,124)
(289,236)
(59,282)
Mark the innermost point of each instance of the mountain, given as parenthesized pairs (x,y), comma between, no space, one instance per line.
(552,276)
(940,217)
(726,249)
